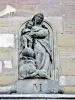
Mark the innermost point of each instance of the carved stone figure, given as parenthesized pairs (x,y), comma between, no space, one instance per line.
(35,52)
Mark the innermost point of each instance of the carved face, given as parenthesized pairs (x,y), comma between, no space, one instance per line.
(29,24)
(38,19)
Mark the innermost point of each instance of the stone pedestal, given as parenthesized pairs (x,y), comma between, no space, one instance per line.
(37,86)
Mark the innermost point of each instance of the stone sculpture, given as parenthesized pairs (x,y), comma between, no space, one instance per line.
(35,52)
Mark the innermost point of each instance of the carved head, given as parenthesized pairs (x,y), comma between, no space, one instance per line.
(38,19)
(29,24)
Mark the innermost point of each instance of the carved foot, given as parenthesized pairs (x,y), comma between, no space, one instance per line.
(42,73)
(34,74)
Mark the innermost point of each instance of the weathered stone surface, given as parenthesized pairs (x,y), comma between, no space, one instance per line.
(66,40)
(4,22)
(8,64)
(7,80)
(69,25)
(67,80)
(4,40)
(69,11)
(6,54)
(67,66)
(11,22)
(50,10)
(56,22)
(2,7)
(36,86)
(7,2)
(68,2)
(5,30)
(69,89)
(35,2)
(24,8)
(7,89)
(68,52)
(62,80)
(14,21)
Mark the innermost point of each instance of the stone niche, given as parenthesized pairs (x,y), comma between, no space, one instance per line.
(38,61)
(36,57)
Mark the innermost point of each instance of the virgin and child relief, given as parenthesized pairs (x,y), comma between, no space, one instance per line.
(35,51)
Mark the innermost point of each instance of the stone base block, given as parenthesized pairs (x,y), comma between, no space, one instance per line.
(37,86)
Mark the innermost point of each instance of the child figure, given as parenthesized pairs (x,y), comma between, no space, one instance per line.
(26,40)
(27,61)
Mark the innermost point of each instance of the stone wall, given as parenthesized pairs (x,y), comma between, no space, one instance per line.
(65,39)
